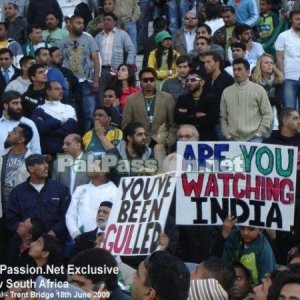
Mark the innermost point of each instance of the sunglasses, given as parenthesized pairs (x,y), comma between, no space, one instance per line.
(148,79)
(193,79)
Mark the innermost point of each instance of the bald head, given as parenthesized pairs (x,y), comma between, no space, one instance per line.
(73,144)
(187,132)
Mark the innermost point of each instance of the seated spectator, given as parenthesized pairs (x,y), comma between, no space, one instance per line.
(22,82)
(125,83)
(97,258)
(161,276)
(255,252)
(242,282)
(104,136)
(216,268)
(203,45)
(290,286)
(163,58)
(47,251)
(85,202)
(35,40)
(178,86)
(36,92)
(213,19)
(54,120)
(112,102)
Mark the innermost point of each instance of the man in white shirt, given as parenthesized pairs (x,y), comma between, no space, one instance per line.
(287,48)
(12,116)
(54,119)
(22,82)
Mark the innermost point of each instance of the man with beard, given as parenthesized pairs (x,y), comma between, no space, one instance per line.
(243,33)
(92,239)
(133,147)
(81,56)
(12,116)
(151,108)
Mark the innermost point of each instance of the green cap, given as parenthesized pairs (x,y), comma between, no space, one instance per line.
(161,36)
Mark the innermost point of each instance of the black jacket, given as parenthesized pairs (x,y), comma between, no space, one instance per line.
(32,99)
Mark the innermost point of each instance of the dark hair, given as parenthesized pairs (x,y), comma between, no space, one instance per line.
(146,70)
(96,258)
(9,96)
(76,16)
(208,29)
(238,45)
(130,129)
(240,28)
(170,58)
(52,49)
(291,15)
(14,5)
(213,11)
(243,61)
(5,25)
(37,228)
(112,87)
(51,12)
(31,27)
(216,58)
(217,268)
(33,69)
(159,24)
(27,132)
(53,245)
(131,74)
(107,110)
(183,59)
(285,113)
(246,271)
(111,14)
(6,50)
(208,40)
(228,8)
(25,59)
(168,276)
(39,50)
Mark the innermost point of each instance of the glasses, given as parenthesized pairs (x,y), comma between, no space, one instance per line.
(148,79)
(193,79)
(191,18)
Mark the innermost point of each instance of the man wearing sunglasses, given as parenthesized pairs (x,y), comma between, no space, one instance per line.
(152,109)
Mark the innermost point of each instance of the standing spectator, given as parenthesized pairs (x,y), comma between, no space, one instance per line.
(22,7)
(8,71)
(143,24)
(73,146)
(151,108)
(287,48)
(36,93)
(254,49)
(178,86)
(81,56)
(246,113)
(159,24)
(37,11)
(112,101)
(11,44)
(246,11)
(177,9)
(113,38)
(125,83)
(22,82)
(17,26)
(270,78)
(213,20)
(183,40)
(128,12)
(12,116)
(54,120)
(163,58)
(53,34)
(39,197)
(35,40)
(203,45)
